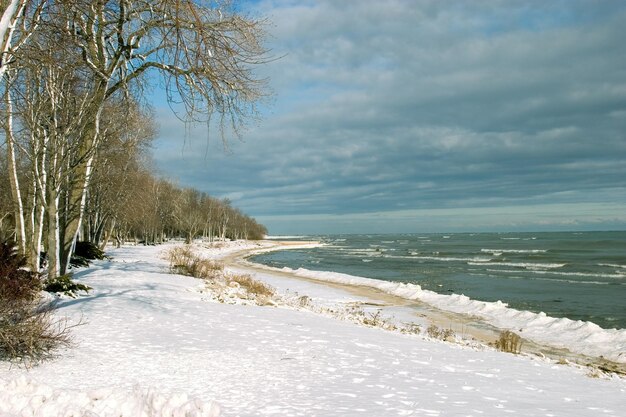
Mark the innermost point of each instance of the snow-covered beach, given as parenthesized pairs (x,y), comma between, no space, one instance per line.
(154,343)
(550,335)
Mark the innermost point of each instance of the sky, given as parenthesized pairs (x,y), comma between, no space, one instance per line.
(425,116)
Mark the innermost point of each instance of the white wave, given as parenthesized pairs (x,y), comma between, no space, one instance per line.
(525,265)
(578,336)
(366,260)
(354,251)
(285,237)
(440,258)
(573,274)
(613,265)
(514,250)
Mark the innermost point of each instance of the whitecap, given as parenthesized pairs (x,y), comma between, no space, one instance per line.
(525,265)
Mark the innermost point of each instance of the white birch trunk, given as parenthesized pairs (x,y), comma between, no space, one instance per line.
(13,179)
(53,237)
(7,27)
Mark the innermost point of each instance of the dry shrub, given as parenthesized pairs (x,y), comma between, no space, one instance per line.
(28,330)
(354,312)
(180,256)
(17,284)
(185,262)
(411,328)
(509,342)
(30,333)
(438,333)
(373,319)
(206,268)
(304,301)
(251,285)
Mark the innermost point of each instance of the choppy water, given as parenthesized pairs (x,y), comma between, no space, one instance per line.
(581,276)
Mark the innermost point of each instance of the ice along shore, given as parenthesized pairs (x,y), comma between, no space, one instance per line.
(585,342)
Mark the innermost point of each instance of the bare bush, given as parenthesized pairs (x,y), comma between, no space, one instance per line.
(304,301)
(411,328)
(377,320)
(185,262)
(30,332)
(252,286)
(28,329)
(206,269)
(17,284)
(509,342)
(180,256)
(438,333)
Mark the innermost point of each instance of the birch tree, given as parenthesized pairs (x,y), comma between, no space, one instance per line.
(18,22)
(51,104)
(202,50)
(11,10)
(127,131)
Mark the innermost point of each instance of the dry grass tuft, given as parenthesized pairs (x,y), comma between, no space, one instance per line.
(252,286)
(411,328)
(304,302)
(438,333)
(184,261)
(509,342)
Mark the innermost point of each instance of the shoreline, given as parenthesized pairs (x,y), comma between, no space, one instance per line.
(465,324)
(158,341)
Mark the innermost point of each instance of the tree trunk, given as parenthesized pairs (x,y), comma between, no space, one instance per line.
(16,193)
(107,235)
(8,20)
(78,187)
(53,235)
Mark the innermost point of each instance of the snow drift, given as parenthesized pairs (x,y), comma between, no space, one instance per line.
(34,399)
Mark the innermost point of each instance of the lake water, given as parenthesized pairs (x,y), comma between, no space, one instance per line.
(578,275)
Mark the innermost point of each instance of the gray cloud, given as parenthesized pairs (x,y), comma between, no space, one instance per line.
(421,105)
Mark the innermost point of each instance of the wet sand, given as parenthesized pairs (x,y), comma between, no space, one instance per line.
(463,324)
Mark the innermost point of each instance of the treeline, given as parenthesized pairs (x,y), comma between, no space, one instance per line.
(77,129)
(155,210)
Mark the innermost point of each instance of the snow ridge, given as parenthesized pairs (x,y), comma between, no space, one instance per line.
(578,336)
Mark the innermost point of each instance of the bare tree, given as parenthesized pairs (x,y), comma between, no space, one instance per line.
(127,132)
(19,20)
(204,52)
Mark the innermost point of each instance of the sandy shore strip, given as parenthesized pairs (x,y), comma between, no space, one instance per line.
(467,326)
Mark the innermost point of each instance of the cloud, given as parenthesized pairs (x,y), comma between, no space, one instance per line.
(426,105)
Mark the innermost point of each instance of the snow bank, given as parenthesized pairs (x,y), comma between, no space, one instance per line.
(580,337)
(23,397)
